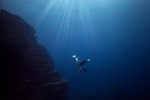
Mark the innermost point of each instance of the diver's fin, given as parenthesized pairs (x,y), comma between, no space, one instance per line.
(84,70)
(80,70)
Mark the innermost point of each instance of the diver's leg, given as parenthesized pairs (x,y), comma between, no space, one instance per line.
(79,69)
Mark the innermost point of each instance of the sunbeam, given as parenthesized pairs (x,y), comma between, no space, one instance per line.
(49,6)
(72,20)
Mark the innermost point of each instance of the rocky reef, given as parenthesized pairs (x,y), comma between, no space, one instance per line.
(27,71)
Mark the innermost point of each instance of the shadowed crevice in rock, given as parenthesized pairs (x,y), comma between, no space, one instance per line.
(27,70)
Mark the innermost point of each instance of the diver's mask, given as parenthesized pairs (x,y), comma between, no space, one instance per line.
(74,57)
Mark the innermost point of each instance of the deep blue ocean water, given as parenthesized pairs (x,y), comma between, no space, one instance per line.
(114,34)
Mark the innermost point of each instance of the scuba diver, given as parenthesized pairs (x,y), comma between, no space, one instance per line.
(80,63)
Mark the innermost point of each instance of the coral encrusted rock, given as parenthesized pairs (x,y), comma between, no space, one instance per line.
(27,71)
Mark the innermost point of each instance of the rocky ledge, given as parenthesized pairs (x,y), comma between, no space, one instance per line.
(27,70)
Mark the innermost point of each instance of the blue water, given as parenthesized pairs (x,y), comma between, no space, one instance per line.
(114,34)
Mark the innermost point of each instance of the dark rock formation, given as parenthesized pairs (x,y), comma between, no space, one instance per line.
(27,71)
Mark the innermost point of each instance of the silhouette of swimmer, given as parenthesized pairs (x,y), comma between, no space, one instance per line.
(80,63)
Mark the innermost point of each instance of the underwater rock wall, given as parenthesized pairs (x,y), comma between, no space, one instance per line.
(27,71)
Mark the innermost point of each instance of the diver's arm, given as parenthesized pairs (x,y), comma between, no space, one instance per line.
(83,62)
(88,59)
